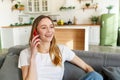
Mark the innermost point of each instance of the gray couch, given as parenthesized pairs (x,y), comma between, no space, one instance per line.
(106,64)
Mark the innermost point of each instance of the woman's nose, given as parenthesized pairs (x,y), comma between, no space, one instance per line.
(49,29)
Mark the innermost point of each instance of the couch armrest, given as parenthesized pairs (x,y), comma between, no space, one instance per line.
(94,59)
(72,72)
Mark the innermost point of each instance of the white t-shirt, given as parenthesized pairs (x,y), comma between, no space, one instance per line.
(46,70)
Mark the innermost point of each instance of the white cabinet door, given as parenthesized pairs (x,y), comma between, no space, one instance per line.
(25,34)
(94,35)
(15,36)
(21,35)
(37,6)
(6,37)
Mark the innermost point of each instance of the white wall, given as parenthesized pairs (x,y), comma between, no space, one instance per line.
(83,16)
(8,17)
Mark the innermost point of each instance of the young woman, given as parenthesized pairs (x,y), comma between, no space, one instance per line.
(44,59)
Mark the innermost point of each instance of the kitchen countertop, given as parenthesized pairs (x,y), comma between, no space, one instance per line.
(85,25)
(79,25)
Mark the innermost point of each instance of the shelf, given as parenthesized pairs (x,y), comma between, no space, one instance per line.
(91,7)
(20,8)
(86,0)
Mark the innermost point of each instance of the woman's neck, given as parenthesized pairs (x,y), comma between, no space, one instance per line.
(44,47)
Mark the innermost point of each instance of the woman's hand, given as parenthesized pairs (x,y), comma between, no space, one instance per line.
(34,44)
(29,71)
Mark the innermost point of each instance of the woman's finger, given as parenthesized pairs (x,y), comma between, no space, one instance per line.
(36,41)
(34,38)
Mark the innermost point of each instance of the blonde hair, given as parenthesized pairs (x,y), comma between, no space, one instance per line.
(54,51)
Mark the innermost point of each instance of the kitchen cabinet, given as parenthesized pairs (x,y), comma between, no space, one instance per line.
(21,35)
(76,37)
(14,36)
(94,35)
(80,36)
(37,6)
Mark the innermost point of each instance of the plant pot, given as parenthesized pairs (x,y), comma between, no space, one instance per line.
(16,6)
(87,5)
(94,22)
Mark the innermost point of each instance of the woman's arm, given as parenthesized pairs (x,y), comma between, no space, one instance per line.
(29,72)
(79,62)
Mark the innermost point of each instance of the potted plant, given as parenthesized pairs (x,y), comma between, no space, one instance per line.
(18,6)
(67,8)
(94,19)
(31,20)
(109,8)
(87,5)
(21,7)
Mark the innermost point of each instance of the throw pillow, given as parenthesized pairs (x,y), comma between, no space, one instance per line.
(9,69)
(112,72)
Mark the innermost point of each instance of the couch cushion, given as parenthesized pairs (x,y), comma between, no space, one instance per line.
(113,73)
(9,70)
(112,59)
(72,72)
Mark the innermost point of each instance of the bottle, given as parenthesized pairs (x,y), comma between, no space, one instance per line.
(75,20)
(69,22)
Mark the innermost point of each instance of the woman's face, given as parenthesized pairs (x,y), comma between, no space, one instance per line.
(46,30)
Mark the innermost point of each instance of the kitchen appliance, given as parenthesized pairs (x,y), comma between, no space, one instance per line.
(108,30)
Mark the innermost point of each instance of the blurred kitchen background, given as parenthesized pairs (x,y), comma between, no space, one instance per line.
(67,12)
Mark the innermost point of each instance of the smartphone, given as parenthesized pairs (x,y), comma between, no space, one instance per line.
(35,32)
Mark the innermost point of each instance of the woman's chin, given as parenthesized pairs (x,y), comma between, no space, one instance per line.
(49,40)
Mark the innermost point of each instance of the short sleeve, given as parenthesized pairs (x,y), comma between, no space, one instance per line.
(67,53)
(24,58)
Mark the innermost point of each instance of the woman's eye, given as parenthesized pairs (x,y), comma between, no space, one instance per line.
(52,27)
(43,27)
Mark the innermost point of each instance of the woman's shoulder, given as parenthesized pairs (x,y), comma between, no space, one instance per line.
(66,52)
(62,46)
(25,51)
